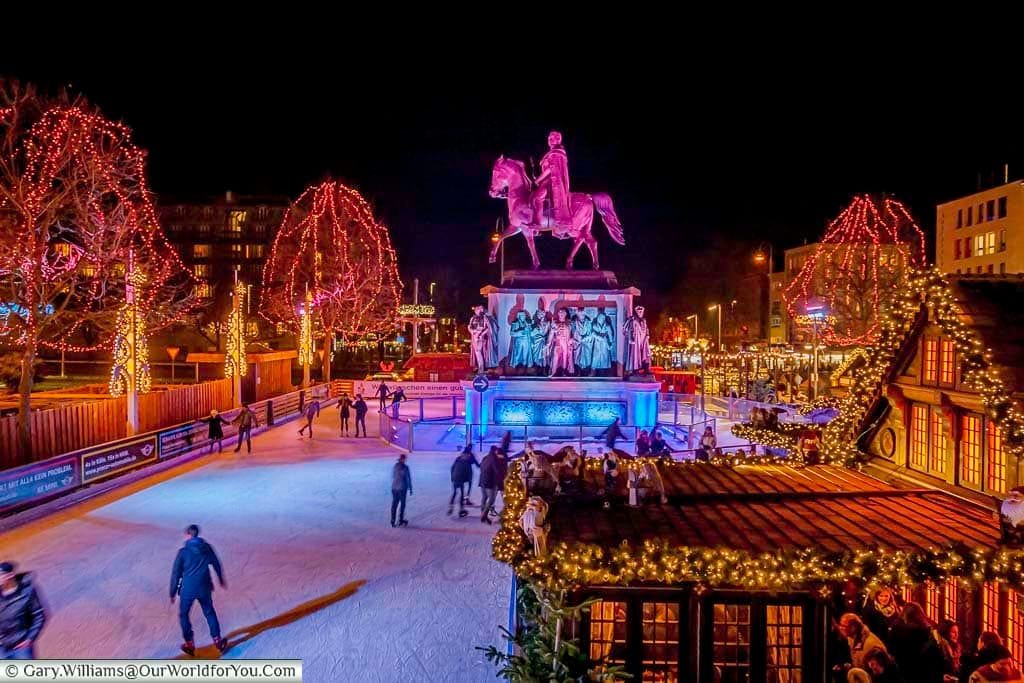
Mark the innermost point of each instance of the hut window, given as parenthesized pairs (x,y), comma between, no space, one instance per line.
(951,598)
(932,601)
(995,459)
(931,361)
(608,633)
(731,645)
(970,449)
(785,642)
(1015,624)
(947,366)
(937,445)
(661,641)
(990,606)
(919,436)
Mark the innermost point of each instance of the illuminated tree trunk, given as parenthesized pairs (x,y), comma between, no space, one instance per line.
(328,343)
(24,421)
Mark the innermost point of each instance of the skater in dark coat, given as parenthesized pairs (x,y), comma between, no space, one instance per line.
(216,430)
(344,404)
(401,485)
(361,409)
(245,420)
(612,434)
(493,469)
(190,579)
(312,412)
(22,615)
(462,474)
(383,393)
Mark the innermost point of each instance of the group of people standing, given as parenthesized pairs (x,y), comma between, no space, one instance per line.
(493,469)
(893,642)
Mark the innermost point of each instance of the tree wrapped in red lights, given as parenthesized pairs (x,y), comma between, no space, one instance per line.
(854,272)
(330,242)
(74,205)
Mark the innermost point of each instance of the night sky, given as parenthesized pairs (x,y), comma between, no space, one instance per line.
(694,154)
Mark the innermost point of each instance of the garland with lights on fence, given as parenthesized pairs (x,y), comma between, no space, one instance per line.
(785,436)
(820,403)
(930,288)
(571,565)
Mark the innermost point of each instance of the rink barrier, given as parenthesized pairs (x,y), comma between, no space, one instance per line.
(39,482)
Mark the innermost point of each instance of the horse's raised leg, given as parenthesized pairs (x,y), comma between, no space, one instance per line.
(505,234)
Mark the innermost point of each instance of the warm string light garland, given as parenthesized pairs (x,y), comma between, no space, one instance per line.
(235,346)
(786,436)
(820,403)
(865,248)
(855,355)
(930,289)
(306,350)
(131,345)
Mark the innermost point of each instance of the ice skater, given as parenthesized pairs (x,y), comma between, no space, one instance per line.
(383,393)
(312,411)
(462,474)
(344,406)
(361,410)
(397,396)
(22,615)
(493,469)
(401,485)
(245,420)
(190,579)
(216,430)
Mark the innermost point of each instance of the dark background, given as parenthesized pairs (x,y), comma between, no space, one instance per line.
(705,153)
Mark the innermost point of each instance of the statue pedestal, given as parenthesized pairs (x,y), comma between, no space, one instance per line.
(550,290)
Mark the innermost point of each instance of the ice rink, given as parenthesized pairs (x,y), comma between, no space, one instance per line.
(314,569)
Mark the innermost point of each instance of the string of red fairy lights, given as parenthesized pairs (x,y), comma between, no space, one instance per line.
(871,240)
(59,147)
(330,241)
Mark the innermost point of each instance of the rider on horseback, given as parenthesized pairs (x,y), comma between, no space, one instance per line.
(553,182)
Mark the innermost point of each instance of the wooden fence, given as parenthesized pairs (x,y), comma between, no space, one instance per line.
(86,423)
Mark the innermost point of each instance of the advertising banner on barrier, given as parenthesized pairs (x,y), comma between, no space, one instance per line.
(38,480)
(104,462)
(368,388)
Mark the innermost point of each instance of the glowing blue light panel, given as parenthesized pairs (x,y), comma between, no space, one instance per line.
(554,412)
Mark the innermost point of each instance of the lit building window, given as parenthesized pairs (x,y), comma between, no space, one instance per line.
(990,606)
(236,220)
(201,270)
(1014,623)
(995,459)
(947,364)
(951,599)
(254,251)
(252,328)
(660,657)
(203,291)
(62,249)
(607,633)
(937,445)
(236,249)
(202,250)
(785,625)
(919,436)
(990,242)
(931,361)
(731,642)
(932,601)
(970,449)
(979,245)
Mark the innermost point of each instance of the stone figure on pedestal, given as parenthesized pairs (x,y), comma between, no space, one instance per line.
(637,353)
(583,330)
(483,340)
(561,345)
(539,338)
(603,345)
(520,353)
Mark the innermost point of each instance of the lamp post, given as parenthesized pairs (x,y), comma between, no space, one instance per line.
(695,318)
(767,260)
(719,308)
(172,353)
(815,313)
(699,346)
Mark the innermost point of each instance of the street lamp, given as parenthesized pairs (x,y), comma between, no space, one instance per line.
(694,316)
(765,255)
(713,307)
(699,346)
(815,313)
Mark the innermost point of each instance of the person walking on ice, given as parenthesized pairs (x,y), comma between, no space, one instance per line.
(383,393)
(462,474)
(344,406)
(216,430)
(361,410)
(190,579)
(401,485)
(312,411)
(245,420)
(22,615)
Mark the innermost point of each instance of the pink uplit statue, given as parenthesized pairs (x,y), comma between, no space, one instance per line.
(561,344)
(547,205)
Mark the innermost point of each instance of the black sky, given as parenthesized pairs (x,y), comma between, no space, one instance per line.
(691,146)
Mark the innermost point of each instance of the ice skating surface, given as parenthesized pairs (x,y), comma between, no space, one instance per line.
(314,569)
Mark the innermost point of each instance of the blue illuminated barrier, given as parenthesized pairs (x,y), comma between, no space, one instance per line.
(31,485)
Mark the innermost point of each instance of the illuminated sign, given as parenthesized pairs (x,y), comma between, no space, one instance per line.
(416,310)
